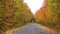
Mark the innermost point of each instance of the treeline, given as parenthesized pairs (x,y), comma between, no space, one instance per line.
(13,14)
(49,14)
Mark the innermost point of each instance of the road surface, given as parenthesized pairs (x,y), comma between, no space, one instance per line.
(31,29)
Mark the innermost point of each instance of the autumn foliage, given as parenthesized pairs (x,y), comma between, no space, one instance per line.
(49,14)
(13,14)
(40,14)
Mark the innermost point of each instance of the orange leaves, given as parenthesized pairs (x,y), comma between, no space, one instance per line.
(45,4)
(41,13)
(49,14)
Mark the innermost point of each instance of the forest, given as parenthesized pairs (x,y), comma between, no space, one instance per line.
(49,14)
(13,14)
(16,13)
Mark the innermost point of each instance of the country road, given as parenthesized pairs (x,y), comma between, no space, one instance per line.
(31,28)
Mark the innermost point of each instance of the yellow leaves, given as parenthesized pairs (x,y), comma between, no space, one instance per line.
(51,15)
(38,17)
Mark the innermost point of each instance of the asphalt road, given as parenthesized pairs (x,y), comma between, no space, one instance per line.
(31,29)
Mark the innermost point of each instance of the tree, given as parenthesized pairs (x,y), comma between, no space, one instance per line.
(13,14)
(51,14)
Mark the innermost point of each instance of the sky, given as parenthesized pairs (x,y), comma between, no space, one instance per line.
(34,5)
